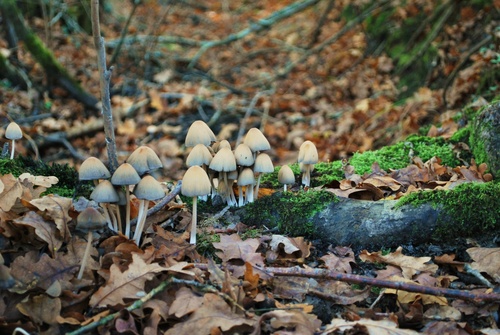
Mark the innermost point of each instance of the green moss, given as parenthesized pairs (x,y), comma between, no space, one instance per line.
(290,212)
(469,209)
(461,135)
(204,245)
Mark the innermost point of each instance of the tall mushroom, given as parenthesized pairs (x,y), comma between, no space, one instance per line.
(256,141)
(308,156)
(125,175)
(93,169)
(263,164)
(13,133)
(194,184)
(286,176)
(224,162)
(144,160)
(87,221)
(146,190)
(199,132)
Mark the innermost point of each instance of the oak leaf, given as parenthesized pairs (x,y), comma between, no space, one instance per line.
(44,230)
(366,326)
(486,260)
(12,190)
(58,209)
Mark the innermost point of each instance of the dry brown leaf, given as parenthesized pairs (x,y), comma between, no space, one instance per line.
(58,209)
(408,264)
(129,284)
(367,326)
(44,229)
(340,260)
(39,180)
(12,190)
(186,302)
(410,297)
(41,309)
(486,260)
(234,249)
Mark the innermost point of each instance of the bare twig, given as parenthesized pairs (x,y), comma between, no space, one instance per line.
(105,77)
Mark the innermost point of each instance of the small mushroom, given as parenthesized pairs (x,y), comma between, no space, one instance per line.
(286,176)
(199,155)
(224,162)
(125,175)
(244,155)
(308,156)
(199,132)
(194,184)
(256,141)
(13,133)
(93,169)
(263,164)
(105,193)
(246,178)
(87,221)
(146,190)
(144,160)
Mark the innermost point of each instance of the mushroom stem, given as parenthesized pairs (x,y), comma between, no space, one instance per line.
(257,186)
(113,218)
(127,213)
(141,220)
(284,187)
(306,175)
(119,218)
(106,216)
(13,149)
(240,196)
(249,191)
(192,238)
(85,255)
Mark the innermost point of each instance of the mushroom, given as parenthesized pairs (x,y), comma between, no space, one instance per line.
(199,155)
(93,169)
(308,156)
(13,133)
(246,178)
(144,160)
(263,164)
(146,190)
(243,155)
(105,193)
(286,176)
(199,132)
(256,141)
(195,183)
(125,175)
(224,162)
(87,221)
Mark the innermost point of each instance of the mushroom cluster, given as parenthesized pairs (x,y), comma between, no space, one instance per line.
(113,194)
(222,167)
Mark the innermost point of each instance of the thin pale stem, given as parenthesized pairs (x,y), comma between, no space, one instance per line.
(192,239)
(127,214)
(13,149)
(85,254)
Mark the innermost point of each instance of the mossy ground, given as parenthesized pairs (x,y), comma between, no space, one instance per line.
(289,212)
(469,209)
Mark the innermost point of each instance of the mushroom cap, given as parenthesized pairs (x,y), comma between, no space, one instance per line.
(256,140)
(13,131)
(223,161)
(149,189)
(92,169)
(223,144)
(90,219)
(200,155)
(263,164)
(285,175)
(199,133)
(246,177)
(195,182)
(243,155)
(104,192)
(308,154)
(144,160)
(125,174)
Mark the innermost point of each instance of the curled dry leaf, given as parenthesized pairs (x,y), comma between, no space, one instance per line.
(39,180)
(486,260)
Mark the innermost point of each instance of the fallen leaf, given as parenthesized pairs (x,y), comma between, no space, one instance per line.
(486,260)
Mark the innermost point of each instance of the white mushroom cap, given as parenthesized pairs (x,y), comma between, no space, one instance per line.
(93,169)
(256,140)
(149,189)
(246,177)
(223,161)
(125,174)
(243,155)
(13,131)
(104,192)
(263,164)
(90,219)
(308,154)
(285,175)
(199,133)
(199,155)
(144,160)
(195,182)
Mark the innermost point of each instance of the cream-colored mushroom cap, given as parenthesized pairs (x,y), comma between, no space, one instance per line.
(199,155)
(256,140)
(243,155)
(144,160)
(308,154)
(90,219)
(125,174)
(93,169)
(263,164)
(285,175)
(223,161)
(246,177)
(13,131)
(104,192)
(149,189)
(195,182)
(199,133)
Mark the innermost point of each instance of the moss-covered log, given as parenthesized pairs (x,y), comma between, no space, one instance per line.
(485,137)
(44,56)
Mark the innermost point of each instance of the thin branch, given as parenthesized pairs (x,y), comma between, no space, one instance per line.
(104,76)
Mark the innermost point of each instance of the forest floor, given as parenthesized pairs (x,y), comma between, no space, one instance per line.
(347,95)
